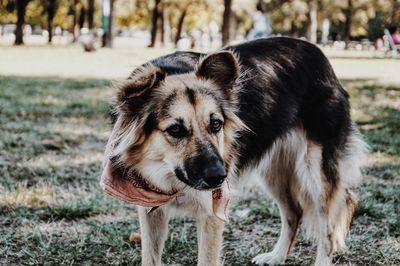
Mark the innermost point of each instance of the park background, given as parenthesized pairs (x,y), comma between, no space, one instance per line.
(54,122)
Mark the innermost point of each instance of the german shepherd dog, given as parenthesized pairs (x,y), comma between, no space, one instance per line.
(189,126)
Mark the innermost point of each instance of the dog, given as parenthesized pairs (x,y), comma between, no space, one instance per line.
(190,126)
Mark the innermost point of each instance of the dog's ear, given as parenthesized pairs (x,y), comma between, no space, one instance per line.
(133,93)
(221,67)
(141,82)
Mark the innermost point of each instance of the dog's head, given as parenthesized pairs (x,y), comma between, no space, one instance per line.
(179,130)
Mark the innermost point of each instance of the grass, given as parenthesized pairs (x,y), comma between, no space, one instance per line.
(52,211)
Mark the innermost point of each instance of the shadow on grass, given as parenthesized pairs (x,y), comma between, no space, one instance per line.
(37,98)
(78,174)
(73,212)
(77,206)
(95,243)
(385,137)
(388,171)
(379,119)
(379,203)
(50,117)
(53,82)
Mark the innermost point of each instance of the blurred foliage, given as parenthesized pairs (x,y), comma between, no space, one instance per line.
(137,13)
(63,17)
(35,13)
(7,14)
(287,15)
(133,13)
(367,17)
(376,26)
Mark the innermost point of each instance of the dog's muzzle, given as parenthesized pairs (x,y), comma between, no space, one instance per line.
(213,176)
(204,171)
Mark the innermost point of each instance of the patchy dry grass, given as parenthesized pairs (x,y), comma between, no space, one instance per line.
(52,212)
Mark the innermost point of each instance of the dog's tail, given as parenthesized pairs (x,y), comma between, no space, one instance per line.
(341,217)
(343,202)
(350,165)
(341,211)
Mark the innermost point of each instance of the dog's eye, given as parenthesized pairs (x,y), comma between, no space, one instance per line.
(177,131)
(215,125)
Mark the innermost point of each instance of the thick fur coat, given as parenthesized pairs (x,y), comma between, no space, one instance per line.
(273,108)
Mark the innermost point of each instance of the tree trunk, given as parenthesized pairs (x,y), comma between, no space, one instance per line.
(108,36)
(347,26)
(395,8)
(154,22)
(180,25)
(293,29)
(312,27)
(90,14)
(74,20)
(226,19)
(51,11)
(167,26)
(21,9)
(81,19)
(162,25)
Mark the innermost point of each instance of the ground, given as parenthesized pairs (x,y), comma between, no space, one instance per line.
(53,128)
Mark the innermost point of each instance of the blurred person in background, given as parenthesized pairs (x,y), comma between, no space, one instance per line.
(261,24)
(394,33)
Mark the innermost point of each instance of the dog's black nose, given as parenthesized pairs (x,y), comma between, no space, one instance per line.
(205,171)
(214,174)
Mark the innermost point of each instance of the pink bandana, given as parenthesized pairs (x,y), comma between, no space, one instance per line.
(132,188)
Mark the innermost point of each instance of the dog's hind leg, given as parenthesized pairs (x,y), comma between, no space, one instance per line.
(278,169)
(290,212)
(325,243)
(334,217)
(317,192)
(153,230)
(209,237)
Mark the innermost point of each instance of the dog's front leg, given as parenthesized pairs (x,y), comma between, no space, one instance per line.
(209,237)
(153,230)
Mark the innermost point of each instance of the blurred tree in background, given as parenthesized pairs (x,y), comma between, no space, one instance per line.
(226,20)
(21,9)
(171,20)
(51,7)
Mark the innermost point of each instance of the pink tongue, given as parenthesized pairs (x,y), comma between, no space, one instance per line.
(126,190)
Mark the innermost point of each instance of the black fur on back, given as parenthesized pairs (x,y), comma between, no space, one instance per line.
(289,83)
(175,63)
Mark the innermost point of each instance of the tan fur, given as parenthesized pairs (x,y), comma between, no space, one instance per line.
(293,177)
(209,234)
(290,169)
(155,155)
(136,149)
(153,230)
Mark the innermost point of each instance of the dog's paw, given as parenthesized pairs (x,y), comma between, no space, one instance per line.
(322,261)
(135,238)
(269,258)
